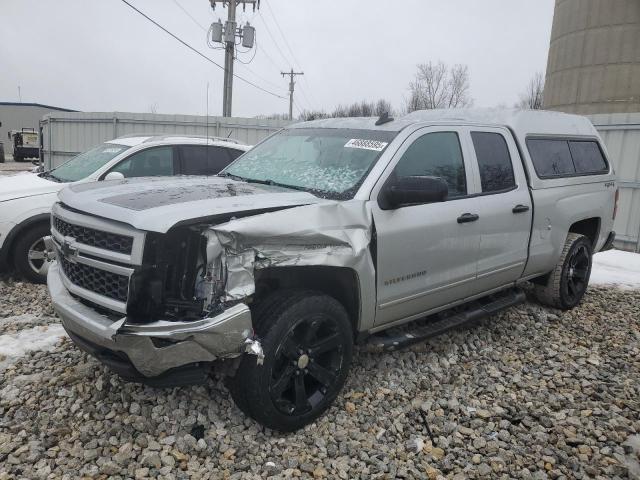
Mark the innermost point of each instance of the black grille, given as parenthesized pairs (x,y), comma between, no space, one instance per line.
(98,281)
(94,238)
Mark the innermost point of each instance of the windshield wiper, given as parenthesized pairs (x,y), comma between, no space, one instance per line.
(269,182)
(231,175)
(273,183)
(51,176)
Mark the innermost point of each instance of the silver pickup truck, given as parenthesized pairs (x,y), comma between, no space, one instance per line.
(326,234)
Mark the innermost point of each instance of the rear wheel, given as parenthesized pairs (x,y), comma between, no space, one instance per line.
(568,282)
(307,342)
(32,257)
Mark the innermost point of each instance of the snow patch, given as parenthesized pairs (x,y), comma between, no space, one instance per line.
(16,345)
(616,267)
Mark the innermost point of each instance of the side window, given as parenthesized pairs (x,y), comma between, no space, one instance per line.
(551,158)
(203,160)
(436,154)
(233,153)
(587,157)
(494,161)
(153,162)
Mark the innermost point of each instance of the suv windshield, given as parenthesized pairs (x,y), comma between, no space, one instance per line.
(83,165)
(330,163)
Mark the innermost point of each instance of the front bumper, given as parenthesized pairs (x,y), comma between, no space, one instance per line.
(157,347)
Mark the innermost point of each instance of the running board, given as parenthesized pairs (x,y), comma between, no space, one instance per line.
(477,310)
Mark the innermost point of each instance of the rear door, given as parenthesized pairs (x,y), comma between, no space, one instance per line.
(203,159)
(427,253)
(150,162)
(504,206)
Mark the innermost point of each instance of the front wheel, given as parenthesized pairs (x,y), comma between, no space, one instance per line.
(307,343)
(567,283)
(32,255)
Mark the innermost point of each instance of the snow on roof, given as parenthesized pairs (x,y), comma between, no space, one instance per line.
(523,122)
(132,141)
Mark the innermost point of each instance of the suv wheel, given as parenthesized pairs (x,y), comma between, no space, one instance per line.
(32,257)
(567,283)
(307,342)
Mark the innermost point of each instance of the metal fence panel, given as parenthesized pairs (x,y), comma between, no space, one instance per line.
(67,134)
(621,135)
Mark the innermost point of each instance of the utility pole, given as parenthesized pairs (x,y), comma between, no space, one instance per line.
(227,34)
(229,53)
(292,86)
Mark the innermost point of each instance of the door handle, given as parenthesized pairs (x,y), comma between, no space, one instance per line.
(468,217)
(520,209)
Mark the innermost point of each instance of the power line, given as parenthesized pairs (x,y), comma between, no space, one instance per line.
(275,42)
(296,62)
(282,34)
(197,51)
(189,15)
(284,57)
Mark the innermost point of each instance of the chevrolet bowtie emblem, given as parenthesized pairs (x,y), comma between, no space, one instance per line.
(68,251)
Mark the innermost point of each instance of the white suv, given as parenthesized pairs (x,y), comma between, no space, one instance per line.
(26,199)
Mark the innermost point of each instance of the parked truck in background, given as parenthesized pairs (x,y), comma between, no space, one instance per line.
(323,235)
(25,143)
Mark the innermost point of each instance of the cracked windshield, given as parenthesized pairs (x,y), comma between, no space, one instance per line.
(330,163)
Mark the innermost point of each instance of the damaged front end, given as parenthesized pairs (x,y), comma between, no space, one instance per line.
(155,347)
(188,291)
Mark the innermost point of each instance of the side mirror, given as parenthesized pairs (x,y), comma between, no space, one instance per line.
(114,176)
(403,191)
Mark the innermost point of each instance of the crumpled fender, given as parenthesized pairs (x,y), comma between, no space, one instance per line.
(327,234)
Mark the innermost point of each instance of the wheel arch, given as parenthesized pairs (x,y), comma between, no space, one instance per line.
(9,243)
(589,227)
(340,283)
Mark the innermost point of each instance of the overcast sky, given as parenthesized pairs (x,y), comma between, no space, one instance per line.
(100,55)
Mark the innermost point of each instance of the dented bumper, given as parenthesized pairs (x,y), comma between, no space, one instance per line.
(156,347)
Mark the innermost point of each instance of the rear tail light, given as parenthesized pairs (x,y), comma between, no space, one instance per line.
(615,206)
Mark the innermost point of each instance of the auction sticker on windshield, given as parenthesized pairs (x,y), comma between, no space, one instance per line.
(366,144)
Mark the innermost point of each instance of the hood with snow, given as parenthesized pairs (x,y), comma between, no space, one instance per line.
(158,204)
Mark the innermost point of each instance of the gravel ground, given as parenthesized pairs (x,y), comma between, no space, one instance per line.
(530,393)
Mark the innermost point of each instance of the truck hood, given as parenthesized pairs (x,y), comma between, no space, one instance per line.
(26,184)
(157,204)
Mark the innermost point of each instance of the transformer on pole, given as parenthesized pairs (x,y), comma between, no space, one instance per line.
(227,34)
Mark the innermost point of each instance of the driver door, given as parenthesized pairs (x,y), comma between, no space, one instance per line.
(427,253)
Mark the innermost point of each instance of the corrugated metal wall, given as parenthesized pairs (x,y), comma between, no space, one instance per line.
(18,116)
(621,135)
(67,134)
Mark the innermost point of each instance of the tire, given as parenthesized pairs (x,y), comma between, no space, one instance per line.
(307,343)
(35,268)
(567,283)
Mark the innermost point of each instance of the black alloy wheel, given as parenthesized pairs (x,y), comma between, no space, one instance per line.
(577,274)
(307,364)
(307,341)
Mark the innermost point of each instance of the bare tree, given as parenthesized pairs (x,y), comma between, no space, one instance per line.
(357,109)
(383,106)
(308,115)
(532,98)
(437,85)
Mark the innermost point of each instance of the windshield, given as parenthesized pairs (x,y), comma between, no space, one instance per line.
(330,163)
(83,165)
